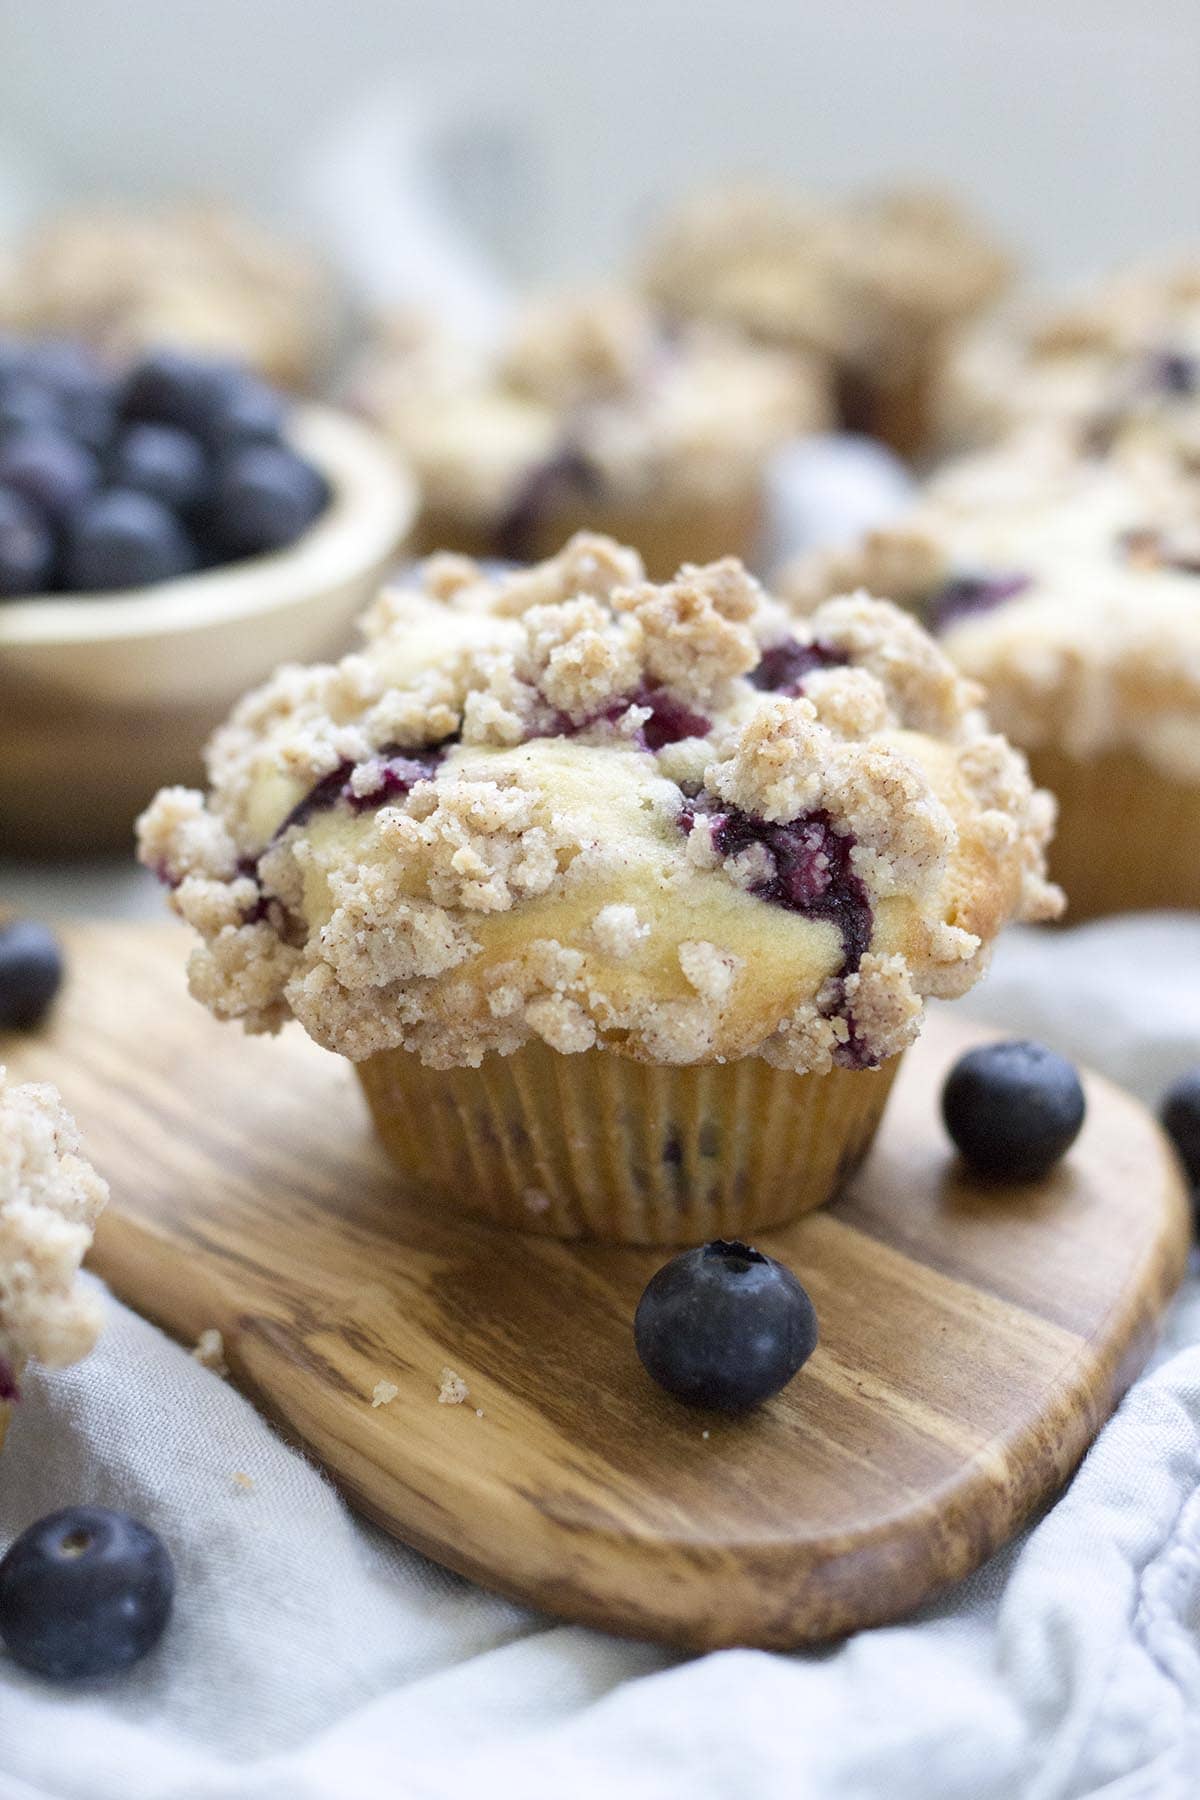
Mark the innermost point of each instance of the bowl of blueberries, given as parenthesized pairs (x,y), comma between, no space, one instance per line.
(169,533)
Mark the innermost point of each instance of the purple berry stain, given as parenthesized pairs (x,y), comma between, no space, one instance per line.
(784,668)
(966,596)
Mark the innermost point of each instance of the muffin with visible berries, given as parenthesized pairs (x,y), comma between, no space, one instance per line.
(1117,367)
(1070,588)
(50,1198)
(199,277)
(875,287)
(623,898)
(593,414)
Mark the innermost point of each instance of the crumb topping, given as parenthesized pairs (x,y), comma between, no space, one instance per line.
(453,1390)
(591,396)
(50,1199)
(1117,366)
(776,872)
(1068,586)
(866,282)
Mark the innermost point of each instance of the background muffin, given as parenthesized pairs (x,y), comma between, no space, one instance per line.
(656,880)
(875,286)
(592,413)
(1070,588)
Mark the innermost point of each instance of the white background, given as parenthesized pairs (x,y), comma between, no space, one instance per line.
(1075,123)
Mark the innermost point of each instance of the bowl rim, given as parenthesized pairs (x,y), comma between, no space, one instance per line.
(371,511)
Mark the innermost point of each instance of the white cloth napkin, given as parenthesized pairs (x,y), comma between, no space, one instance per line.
(312,1659)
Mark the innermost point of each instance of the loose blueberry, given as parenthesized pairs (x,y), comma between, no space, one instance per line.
(1013,1109)
(64,366)
(48,469)
(244,411)
(84,1592)
(1181,1115)
(31,972)
(265,498)
(724,1326)
(123,539)
(26,547)
(163,461)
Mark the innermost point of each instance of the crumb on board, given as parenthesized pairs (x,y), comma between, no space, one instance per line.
(453,1390)
(704,1434)
(479,1412)
(385,1392)
(536,1201)
(242,1482)
(209,1351)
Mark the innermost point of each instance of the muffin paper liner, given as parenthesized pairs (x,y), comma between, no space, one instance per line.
(599,1146)
(1128,836)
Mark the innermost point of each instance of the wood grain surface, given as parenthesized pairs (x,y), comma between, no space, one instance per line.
(973,1339)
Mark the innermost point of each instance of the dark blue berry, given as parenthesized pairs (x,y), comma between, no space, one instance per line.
(1013,1109)
(163,461)
(26,405)
(123,539)
(1181,1116)
(266,497)
(48,469)
(64,366)
(26,547)
(724,1326)
(84,1592)
(244,411)
(31,972)
(174,387)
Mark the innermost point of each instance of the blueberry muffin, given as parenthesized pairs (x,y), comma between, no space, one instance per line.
(198,277)
(50,1198)
(875,287)
(1118,367)
(1069,587)
(623,899)
(592,413)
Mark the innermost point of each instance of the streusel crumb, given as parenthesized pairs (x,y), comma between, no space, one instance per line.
(564,803)
(50,1198)
(453,1390)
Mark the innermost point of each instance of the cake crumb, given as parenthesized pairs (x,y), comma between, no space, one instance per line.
(704,1434)
(384,1393)
(453,1390)
(535,1201)
(209,1351)
(243,1482)
(479,1412)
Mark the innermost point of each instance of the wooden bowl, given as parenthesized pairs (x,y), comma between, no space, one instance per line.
(105,697)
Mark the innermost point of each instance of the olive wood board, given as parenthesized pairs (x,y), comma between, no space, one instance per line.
(973,1337)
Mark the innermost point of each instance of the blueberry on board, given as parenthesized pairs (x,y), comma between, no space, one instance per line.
(163,461)
(25,405)
(1180,1114)
(1013,1109)
(49,469)
(724,1326)
(84,1592)
(26,547)
(123,539)
(265,498)
(31,972)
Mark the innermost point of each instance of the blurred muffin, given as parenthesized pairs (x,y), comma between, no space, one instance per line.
(592,414)
(623,899)
(50,1198)
(875,285)
(1119,366)
(1070,588)
(199,277)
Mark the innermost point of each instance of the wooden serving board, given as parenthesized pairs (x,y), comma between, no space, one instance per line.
(973,1339)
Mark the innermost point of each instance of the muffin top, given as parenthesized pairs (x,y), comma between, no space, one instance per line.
(198,276)
(861,281)
(565,803)
(1119,365)
(1068,585)
(589,395)
(50,1199)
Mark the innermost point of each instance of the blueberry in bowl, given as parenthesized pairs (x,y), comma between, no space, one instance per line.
(167,536)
